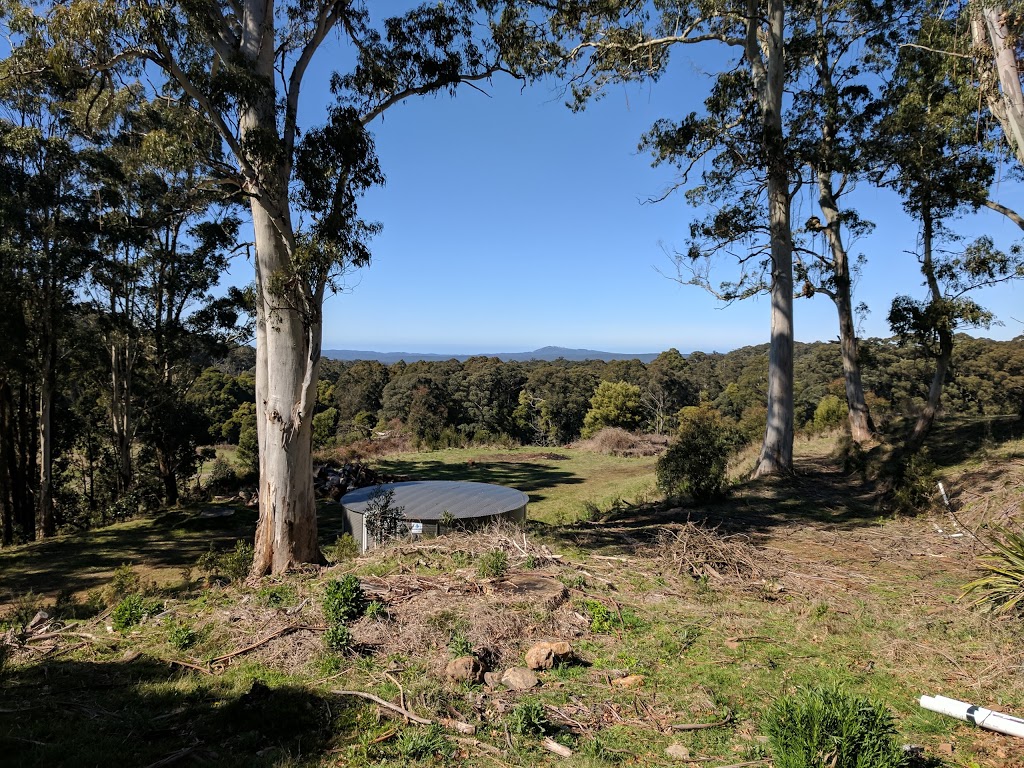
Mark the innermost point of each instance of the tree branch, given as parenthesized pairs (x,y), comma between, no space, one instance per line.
(420,90)
(1009,213)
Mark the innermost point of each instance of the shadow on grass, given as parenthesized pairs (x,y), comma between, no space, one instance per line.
(955,440)
(531,478)
(818,495)
(141,712)
(85,561)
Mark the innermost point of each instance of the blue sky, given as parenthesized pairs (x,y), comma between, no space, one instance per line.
(511,223)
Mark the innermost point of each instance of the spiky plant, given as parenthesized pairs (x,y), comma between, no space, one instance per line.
(1001,588)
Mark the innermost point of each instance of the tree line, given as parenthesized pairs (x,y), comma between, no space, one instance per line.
(136,131)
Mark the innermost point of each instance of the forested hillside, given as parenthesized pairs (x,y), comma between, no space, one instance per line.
(365,407)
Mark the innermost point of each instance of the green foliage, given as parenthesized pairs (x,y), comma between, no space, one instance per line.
(528,718)
(831,413)
(343,549)
(827,726)
(913,484)
(132,610)
(377,611)
(324,424)
(604,619)
(343,600)
(459,644)
(492,565)
(233,565)
(422,743)
(222,476)
(124,582)
(277,595)
(696,462)
(382,518)
(338,638)
(614,404)
(1001,588)
(181,635)
(25,608)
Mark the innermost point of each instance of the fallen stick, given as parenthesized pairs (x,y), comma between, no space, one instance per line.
(267,639)
(553,746)
(196,667)
(454,725)
(701,726)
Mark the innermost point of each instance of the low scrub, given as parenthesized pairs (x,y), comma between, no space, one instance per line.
(828,726)
(697,462)
(615,441)
(1001,588)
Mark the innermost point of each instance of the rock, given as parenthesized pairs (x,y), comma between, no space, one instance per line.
(519,679)
(629,681)
(465,669)
(677,752)
(545,655)
(492,679)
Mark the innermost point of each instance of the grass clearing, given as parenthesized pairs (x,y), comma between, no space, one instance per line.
(677,617)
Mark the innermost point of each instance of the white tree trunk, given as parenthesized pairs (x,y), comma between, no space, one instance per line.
(776,455)
(1000,75)
(288,331)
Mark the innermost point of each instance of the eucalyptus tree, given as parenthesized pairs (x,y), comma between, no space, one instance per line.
(611,42)
(47,241)
(929,152)
(170,233)
(243,65)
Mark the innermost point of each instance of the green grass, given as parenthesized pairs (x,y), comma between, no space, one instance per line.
(865,603)
(561,489)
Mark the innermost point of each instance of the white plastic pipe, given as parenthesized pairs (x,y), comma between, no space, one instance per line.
(986,718)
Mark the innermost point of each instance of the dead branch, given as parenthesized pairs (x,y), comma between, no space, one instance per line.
(454,725)
(553,746)
(701,726)
(267,639)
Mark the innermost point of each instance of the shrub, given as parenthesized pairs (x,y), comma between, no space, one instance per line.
(913,484)
(383,520)
(125,582)
(421,743)
(828,726)
(1001,588)
(344,548)
(343,600)
(181,635)
(492,564)
(222,476)
(233,565)
(132,610)
(831,413)
(527,718)
(697,461)
(614,404)
(338,638)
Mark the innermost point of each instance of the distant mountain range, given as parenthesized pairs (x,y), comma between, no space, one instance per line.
(544,353)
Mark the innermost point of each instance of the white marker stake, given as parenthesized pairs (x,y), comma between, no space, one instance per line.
(986,718)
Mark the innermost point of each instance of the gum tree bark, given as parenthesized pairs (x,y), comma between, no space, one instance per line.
(776,455)
(1000,73)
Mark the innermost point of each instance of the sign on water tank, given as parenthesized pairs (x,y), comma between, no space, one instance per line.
(416,528)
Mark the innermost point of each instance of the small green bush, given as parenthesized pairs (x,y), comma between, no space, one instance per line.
(233,565)
(377,611)
(344,548)
(125,582)
(831,413)
(222,476)
(277,595)
(696,462)
(459,645)
(828,726)
(604,619)
(1001,588)
(492,564)
(132,610)
(338,638)
(528,718)
(343,600)
(181,635)
(422,743)
(913,484)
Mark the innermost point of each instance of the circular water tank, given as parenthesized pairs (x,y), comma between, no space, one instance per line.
(427,505)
